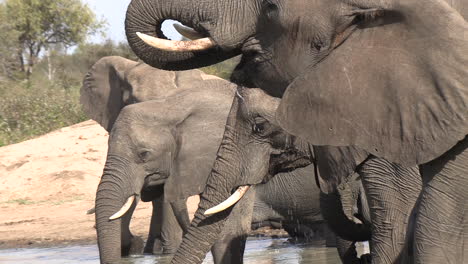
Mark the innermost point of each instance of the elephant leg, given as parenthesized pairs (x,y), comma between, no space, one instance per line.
(229,249)
(392,192)
(131,245)
(171,232)
(153,244)
(181,213)
(441,234)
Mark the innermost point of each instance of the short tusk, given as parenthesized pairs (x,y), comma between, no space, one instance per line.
(124,208)
(177,46)
(91,211)
(187,32)
(234,198)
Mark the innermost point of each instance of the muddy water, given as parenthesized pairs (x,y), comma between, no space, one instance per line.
(263,251)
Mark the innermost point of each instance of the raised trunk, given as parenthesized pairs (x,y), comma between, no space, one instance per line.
(205,231)
(113,191)
(147,16)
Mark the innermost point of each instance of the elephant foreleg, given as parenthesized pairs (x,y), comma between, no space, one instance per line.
(153,244)
(441,234)
(392,193)
(229,249)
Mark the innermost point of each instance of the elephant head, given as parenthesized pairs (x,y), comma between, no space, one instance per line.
(171,140)
(114,82)
(252,150)
(408,56)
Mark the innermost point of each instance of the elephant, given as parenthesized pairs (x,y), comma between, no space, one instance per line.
(143,137)
(114,82)
(333,56)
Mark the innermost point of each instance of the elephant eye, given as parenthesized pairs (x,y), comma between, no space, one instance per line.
(319,44)
(270,8)
(144,155)
(258,128)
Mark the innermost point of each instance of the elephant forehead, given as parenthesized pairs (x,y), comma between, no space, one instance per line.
(147,83)
(257,102)
(155,137)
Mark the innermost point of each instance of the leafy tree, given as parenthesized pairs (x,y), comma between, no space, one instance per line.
(8,48)
(44,23)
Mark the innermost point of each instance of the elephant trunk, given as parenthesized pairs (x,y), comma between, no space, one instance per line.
(147,16)
(206,230)
(113,193)
(337,210)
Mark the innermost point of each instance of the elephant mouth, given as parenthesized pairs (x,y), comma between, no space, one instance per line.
(285,162)
(155,179)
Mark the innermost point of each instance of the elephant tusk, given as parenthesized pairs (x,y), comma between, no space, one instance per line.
(124,208)
(187,32)
(91,211)
(234,198)
(177,46)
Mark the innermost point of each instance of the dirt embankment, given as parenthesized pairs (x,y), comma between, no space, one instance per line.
(48,183)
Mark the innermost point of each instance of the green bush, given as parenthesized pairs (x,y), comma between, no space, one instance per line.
(223,69)
(37,106)
(26,112)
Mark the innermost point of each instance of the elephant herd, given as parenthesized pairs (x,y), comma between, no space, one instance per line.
(165,135)
(364,100)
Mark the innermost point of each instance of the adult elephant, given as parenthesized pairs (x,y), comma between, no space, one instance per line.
(335,60)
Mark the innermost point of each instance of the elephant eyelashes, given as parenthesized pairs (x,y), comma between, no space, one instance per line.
(144,155)
(269,8)
(260,125)
(258,128)
(318,46)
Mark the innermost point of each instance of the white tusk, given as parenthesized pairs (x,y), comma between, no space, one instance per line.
(187,32)
(124,208)
(91,211)
(234,198)
(178,46)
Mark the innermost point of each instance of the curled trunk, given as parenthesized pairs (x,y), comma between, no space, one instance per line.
(147,16)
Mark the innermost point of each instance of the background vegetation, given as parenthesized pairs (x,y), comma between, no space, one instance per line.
(44,55)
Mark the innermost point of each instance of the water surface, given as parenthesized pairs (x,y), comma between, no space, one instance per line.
(258,251)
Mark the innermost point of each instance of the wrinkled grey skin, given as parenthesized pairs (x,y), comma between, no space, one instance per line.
(333,55)
(292,201)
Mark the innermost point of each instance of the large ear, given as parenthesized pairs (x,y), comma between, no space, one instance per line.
(398,89)
(198,133)
(101,93)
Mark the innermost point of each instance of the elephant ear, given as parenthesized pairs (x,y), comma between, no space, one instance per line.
(398,89)
(101,93)
(198,136)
